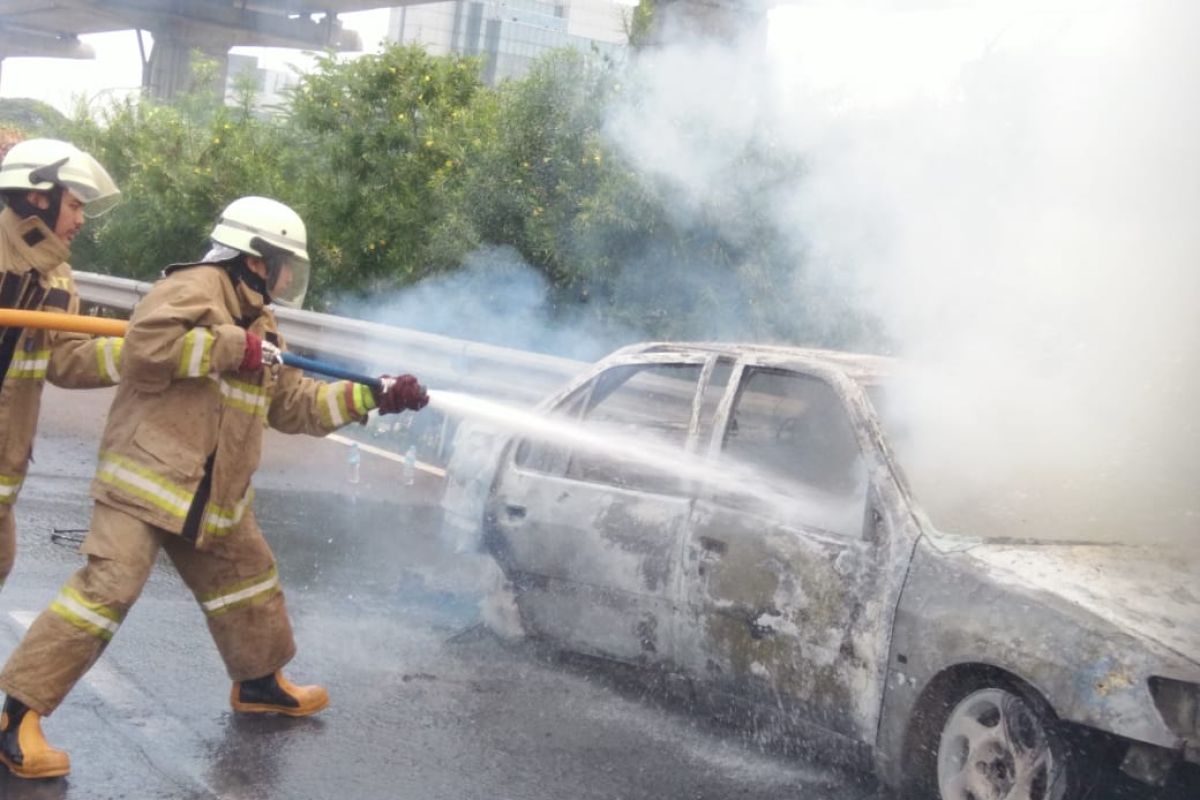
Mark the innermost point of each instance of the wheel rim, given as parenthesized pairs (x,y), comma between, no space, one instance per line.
(994,747)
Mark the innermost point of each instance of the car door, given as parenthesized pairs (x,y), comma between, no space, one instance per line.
(792,567)
(591,535)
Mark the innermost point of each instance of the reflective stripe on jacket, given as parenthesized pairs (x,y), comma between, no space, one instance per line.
(182,400)
(34,275)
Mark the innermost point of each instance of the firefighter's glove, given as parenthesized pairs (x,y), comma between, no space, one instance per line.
(259,354)
(398,394)
(252,358)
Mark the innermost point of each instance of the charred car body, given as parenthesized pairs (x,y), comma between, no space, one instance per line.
(788,568)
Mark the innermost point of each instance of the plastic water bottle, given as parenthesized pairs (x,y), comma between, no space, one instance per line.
(410,465)
(354,459)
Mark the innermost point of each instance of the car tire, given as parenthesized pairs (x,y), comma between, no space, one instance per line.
(997,743)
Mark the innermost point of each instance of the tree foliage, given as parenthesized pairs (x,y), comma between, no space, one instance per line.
(386,139)
(34,117)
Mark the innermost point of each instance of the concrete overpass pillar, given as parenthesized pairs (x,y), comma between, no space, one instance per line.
(169,72)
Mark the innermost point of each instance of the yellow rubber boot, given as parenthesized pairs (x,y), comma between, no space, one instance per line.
(23,748)
(275,694)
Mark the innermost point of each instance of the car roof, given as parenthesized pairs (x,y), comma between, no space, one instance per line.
(860,367)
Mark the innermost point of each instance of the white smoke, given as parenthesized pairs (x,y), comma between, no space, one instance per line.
(1012,189)
(495,298)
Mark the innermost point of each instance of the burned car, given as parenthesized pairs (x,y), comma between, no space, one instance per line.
(739,517)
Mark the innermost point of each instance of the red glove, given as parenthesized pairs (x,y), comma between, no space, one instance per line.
(252,360)
(397,394)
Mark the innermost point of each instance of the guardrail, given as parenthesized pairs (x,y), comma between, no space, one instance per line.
(441,362)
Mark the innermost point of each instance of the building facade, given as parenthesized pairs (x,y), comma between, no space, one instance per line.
(509,35)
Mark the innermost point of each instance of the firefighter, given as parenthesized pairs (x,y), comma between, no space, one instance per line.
(200,380)
(48,188)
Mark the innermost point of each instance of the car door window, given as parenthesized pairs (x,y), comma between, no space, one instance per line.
(637,410)
(789,436)
(550,455)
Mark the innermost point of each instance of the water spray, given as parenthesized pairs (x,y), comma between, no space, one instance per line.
(103,326)
(723,476)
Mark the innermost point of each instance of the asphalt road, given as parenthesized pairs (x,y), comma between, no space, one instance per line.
(426,702)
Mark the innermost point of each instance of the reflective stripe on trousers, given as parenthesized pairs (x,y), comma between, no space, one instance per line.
(10,485)
(92,618)
(242,593)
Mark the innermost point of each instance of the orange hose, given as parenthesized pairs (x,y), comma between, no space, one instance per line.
(58,321)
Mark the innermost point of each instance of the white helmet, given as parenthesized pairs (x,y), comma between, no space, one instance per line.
(270,230)
(41,164)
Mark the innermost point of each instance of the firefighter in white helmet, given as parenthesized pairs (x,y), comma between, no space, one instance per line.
(200,380)
(48,188)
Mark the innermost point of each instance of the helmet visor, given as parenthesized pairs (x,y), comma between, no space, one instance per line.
(288,280)
(90,182)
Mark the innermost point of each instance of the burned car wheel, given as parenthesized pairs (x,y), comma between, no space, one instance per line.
(995,745)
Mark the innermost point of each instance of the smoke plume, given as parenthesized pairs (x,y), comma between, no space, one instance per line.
(1010,189)
(1000,193)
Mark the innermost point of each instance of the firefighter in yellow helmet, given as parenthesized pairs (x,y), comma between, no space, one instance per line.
(48,189)
(200,380)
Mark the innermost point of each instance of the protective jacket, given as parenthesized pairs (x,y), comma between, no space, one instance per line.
(34,276)
(184,434)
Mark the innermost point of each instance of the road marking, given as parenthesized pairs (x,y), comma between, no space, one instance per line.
(159,737)
(379,451)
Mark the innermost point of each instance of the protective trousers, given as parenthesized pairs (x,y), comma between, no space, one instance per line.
(234,581)
(8,542)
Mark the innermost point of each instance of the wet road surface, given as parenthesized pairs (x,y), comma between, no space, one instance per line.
(426,702)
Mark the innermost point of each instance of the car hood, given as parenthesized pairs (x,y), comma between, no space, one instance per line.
(1147,592)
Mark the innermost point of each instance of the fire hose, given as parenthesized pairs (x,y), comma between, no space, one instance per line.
(103,326)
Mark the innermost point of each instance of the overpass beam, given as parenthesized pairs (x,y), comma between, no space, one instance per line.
(19,42)
(238,25)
